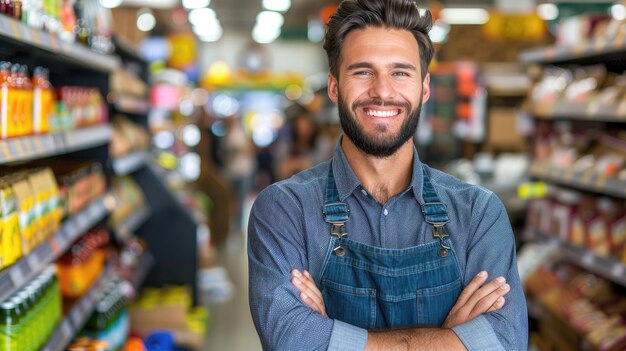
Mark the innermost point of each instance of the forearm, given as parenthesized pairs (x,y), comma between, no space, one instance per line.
(414,339)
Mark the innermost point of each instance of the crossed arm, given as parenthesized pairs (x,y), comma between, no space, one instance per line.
(475,299)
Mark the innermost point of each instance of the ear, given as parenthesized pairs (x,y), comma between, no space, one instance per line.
(426,88)
(333,92)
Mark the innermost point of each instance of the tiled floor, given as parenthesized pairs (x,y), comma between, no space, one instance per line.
(231,326)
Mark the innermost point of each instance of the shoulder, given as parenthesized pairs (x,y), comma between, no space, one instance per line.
(303,187)
(456,190)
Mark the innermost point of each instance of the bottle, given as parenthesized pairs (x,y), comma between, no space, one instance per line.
(26,90)
(9,327)
(4,96)
(42,101)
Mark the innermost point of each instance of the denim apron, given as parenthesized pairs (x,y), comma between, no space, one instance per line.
(376,288)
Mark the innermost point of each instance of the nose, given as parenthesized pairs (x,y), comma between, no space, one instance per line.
(382,88)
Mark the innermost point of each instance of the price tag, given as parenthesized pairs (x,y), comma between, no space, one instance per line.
(618,270)
(6,152)
(77,315)
(34,35)
(66,330)
(54,245)
(39,149)
(15,30)
(33,260)
(588,259)
(16,275)
(54,42)
(19,148)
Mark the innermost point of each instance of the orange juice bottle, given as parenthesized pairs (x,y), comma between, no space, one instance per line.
(4,98)
(13,103)
(42,101)
(12,243)
(27,101)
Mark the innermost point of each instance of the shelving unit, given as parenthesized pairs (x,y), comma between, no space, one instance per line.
(15,276)
(606,267)
(78,314)
(166,226)
(130,163)
(559,332)
(39,146)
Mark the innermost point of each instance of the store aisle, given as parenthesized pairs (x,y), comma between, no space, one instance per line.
(231,324)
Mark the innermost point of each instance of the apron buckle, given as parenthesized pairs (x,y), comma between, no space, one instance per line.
(338,230)
(440,233)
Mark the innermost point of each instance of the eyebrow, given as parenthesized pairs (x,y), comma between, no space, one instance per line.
(359,65)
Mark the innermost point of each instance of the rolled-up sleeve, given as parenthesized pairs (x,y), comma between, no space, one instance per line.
(492,248)
(276,245)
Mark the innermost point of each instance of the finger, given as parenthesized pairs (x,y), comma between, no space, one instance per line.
(497,305)
(308,291)
(311,290)
(311,303)
(484,304)
(485,290)
(311,283)
(473,285)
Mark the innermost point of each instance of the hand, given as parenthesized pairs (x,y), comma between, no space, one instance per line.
(476,299)
(309,293)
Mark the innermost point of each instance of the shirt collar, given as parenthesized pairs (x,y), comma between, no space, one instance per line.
(347,182)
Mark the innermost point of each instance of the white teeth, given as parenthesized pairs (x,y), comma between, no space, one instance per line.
(374,113)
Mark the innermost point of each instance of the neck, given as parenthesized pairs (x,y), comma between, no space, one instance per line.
(383,177)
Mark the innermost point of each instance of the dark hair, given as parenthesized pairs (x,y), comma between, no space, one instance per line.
(394,14)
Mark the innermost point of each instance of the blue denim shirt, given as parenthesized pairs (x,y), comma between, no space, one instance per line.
(287,230)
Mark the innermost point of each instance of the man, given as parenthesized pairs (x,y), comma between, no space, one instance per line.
(400,251)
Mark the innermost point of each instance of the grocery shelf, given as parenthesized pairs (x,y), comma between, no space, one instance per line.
(579,180)
(127,164)
(38,146)
(15,276)
(590,111)
(134,221)
(78,315)
(16,31)
(597,51)
(129,104)
(608,268)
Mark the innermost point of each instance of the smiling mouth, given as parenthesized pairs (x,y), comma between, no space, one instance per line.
(382,113)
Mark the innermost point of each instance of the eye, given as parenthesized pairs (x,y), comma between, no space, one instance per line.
(362,73)
(401,74)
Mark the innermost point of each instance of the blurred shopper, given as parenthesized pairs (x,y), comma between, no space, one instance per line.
(399,253)
(303,147)
(240,166)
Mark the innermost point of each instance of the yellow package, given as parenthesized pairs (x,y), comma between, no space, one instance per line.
(39,227)
(53,207)
(11,240)
(26,208)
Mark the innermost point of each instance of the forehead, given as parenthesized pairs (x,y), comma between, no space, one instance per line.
(373,44)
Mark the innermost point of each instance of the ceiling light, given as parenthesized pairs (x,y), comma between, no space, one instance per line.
(265,34)
(211,36)
(277,5)
(547,12)
(315,31)
(464,16)
(195,4)
(439,32)
(197,16)
(269,19)
(145,20)
(618,12)
(110,4)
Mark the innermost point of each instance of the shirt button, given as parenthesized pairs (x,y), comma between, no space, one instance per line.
(386,212)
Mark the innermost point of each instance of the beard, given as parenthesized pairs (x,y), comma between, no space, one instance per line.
(379,145)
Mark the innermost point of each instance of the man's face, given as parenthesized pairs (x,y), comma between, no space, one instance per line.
(379,89)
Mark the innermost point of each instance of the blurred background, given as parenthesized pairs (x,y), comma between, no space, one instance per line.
(136,135)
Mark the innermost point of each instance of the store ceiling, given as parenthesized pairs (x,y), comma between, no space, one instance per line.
(240,15)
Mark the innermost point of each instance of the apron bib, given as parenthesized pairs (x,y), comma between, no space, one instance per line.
(376,288)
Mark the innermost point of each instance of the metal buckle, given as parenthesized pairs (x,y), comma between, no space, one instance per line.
(338,230)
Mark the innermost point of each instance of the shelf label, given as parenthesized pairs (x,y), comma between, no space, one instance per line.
(5,150)
(33,260)
(16,275)
(16,30)
(618,270)
(588,259)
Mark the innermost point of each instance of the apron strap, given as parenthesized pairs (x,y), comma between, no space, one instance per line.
(335,211)
(435,214)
